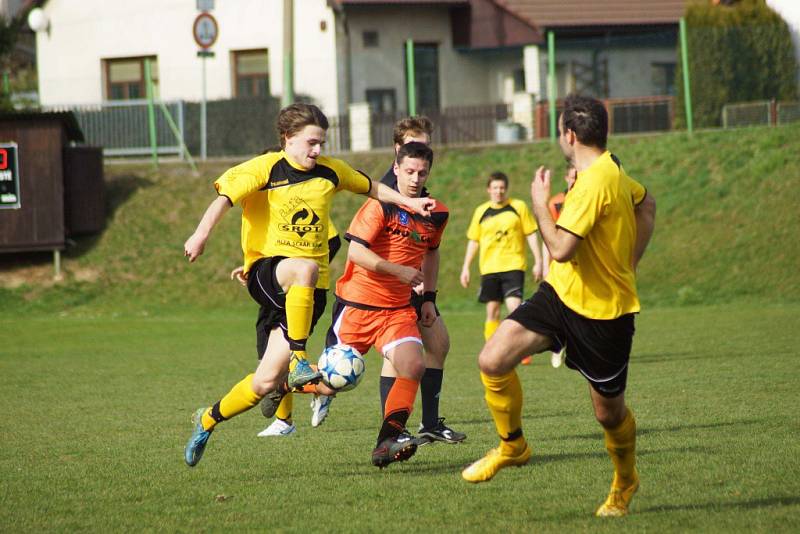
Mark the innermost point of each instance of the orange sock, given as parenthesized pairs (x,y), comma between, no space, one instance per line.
(399,405)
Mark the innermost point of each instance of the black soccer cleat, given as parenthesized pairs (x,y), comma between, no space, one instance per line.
(440,432)
(394,449)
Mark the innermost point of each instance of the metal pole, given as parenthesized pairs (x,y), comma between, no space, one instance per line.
(410,78)
(178,135)
(151,112)
(687,91)
(57,264)
(551,83)
(288,53)
(203,133)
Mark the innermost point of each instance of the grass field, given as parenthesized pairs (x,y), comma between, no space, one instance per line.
(97,413)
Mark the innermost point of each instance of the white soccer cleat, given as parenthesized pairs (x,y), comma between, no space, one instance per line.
(319,409)
(556,358)
(278,428)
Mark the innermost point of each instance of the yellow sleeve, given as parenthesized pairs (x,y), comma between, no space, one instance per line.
(583,205)
(332,231)
(349,178)
(474,230)
(638,192)
(528,222)
(246,178)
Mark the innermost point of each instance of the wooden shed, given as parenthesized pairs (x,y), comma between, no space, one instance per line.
(60,185)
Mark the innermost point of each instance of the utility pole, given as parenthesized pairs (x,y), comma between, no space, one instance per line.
(288,53)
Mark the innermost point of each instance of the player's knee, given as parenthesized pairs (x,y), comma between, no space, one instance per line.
(609,416)
(305,273)
(490,361)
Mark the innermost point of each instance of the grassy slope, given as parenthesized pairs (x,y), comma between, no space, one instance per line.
(725,230)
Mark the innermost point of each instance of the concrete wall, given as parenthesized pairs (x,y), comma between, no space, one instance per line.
(84,33)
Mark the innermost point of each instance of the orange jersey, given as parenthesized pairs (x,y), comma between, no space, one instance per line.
(397,236)
(555,204)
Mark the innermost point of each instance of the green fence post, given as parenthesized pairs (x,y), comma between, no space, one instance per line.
(410,79)
(6,83)
(687,91)
(151,112)
(288,53)
(551,83)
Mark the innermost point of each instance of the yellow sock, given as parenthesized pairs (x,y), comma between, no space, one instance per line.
(285,408)
(503,396)
(239,399)
(489,328)
(621,446)
(299,309)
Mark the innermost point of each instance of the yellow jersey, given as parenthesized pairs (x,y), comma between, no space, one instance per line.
(500,230)
(599,281)
(285,209)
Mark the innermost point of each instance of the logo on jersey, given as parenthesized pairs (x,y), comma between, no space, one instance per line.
(411,234)
(500,235)
(403,217)
(299,218)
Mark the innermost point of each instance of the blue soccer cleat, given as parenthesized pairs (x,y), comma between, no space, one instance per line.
(197,443)
(302,373)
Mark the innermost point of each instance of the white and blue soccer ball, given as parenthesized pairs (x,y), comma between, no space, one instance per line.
(342,367)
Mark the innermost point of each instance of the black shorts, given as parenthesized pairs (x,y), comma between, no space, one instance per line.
(496,287)
(416,301)
(265,290)
(598,349)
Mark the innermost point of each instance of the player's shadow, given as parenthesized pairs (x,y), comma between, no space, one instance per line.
(716,505)
(643,431)
(526,417)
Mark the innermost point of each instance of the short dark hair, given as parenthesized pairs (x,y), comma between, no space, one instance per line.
(292,119)
(497,176)
(588,118)
(418,124)
(415,150)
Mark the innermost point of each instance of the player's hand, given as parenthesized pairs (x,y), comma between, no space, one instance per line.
(428,314)
(409,275)
(464,278)
(194,246)
(538,274)
(540,187)
(419,289)
(421,205)
(238,275)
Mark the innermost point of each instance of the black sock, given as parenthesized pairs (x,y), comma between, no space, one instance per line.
(386,385)
(431,386)
(393,425)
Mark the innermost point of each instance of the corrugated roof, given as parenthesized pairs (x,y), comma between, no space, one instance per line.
(559,13)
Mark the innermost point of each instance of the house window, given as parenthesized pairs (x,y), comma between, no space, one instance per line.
(370,39)
(125,78)
(519,80)
(663,78)
(426,76)
(251,73)
(382,100)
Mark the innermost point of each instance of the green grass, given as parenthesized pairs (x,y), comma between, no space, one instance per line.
(97,412)
(726,225)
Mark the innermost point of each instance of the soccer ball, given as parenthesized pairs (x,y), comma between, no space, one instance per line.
(342,367)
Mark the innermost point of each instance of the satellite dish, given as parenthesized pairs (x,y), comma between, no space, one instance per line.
(37,20)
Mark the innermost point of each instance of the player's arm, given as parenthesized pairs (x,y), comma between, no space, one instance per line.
(472,249)
(196,243)
(384,193)
(645,213)
(533,243)
(366,258)
(430,272)
(562,244)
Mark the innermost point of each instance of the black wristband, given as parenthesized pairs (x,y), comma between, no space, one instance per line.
(429,296)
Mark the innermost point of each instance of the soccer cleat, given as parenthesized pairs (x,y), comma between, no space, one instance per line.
(556,358)
(278,428)
(197,443)
(394,449)
(619,498)
(320,405)
(440,432)
(526,360)
(271,401)
(302,373)
(488,466)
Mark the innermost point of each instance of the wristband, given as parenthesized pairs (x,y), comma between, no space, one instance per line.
(429,296)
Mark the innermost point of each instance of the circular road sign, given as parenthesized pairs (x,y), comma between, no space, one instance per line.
(205,30)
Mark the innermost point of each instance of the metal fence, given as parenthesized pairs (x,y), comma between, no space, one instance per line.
(122,128)
(760,113)
(625,115)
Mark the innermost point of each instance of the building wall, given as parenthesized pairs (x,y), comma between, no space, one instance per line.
(465,77)
(84,33)
(789,10)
